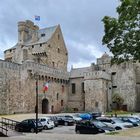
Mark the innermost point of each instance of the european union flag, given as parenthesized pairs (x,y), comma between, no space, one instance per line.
(37,18)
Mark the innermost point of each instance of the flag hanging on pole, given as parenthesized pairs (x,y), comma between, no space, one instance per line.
(37,18)
(45,87)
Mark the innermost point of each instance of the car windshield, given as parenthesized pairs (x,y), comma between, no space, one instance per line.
(117,120)
(133,119)
(99,124)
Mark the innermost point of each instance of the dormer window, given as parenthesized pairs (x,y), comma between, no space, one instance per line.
(42,35)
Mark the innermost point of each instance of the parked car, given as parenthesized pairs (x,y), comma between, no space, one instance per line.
(132,120)
(92,127)
(28,125)
(74,117)
(65,121)
(46,122)
(94,115)
(54,119)
(115,122)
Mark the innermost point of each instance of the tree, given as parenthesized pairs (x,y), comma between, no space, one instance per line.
(122,34)
(116,98)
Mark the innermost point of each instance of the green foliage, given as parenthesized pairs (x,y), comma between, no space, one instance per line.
(68,110)
(116,98)
(122,34)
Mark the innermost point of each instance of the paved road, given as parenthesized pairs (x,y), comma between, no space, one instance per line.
(46,136)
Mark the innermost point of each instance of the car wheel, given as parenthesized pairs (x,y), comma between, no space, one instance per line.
(45,127)
(17,129)
(118,128)
(32,130)
(77,132)
(66,124)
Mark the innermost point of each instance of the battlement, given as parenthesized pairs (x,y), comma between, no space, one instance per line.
(97,75)
(25,30)
(44,70)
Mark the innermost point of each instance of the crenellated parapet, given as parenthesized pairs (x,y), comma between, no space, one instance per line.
(97,75)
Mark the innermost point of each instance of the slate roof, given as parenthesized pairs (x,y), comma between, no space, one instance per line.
(49,31)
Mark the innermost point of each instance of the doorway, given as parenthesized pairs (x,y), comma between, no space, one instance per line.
(45,107)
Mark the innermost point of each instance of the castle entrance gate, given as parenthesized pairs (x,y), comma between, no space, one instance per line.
(45,106)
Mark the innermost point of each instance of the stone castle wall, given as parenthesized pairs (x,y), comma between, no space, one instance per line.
(18,87)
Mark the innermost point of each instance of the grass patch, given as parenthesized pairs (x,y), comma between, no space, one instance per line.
(112,133)
(119,112)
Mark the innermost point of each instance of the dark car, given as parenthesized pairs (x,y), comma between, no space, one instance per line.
(54,119)
(65,121)
(28,125)
(132,120)
(92,127)
(94,115)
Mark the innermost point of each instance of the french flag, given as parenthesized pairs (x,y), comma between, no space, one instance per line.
(37,17)
(45,87)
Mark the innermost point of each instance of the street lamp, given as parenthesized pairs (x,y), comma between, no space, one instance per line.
(36,107)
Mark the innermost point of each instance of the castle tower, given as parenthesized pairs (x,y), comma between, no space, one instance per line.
(25,30)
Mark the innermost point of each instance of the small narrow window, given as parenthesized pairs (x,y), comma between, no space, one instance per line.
(53,64)
(57,96)
(32,46)
(40,45)
(82,87)
(114,86)
(49,45)
(58,50)
(113,73)
(73,87)
(96,104)
(58,36)
(62,88)
(42,35)
(62,102)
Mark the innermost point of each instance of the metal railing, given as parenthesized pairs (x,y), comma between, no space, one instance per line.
(7,124)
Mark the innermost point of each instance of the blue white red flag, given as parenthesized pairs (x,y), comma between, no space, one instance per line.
(37,17)
(45,87)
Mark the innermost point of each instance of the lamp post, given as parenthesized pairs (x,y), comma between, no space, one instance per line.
(36,107)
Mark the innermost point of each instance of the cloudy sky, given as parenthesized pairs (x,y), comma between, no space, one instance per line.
(80,21)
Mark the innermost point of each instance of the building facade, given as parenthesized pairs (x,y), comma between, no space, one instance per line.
(41,54)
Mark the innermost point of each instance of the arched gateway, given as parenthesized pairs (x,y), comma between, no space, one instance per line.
(45,106)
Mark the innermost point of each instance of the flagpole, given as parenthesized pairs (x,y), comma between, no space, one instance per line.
(36,107)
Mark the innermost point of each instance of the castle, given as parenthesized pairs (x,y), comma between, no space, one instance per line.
(41,55)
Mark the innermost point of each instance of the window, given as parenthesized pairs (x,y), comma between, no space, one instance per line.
(58,50)
(49,45)
(40,45)
(58,36)
(32,46)
(73,87)
(42,35)
(62,88)
(113,73)
(53,64)
(62,102)
(96,104)
(114,86)
(57,96)
(82,87)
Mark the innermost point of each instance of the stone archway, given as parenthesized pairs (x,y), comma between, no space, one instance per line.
(45,106)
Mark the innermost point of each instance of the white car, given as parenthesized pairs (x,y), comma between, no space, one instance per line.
(46,122)
(115,123)
(74,117)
